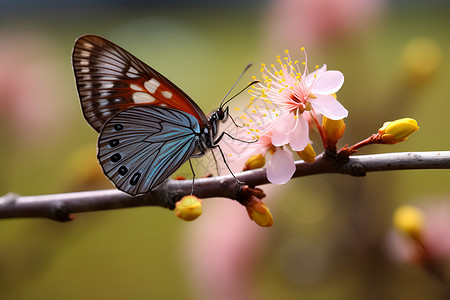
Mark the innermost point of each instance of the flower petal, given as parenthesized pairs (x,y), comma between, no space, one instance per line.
(280,167)
(281,129)
(299,137)
(314,76)
(329,107)
(330,82)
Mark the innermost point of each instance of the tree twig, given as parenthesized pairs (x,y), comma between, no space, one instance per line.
(61,207)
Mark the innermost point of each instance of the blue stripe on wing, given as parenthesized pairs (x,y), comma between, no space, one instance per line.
(143,145)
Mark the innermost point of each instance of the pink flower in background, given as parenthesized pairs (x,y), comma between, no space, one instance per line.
(32,100)
(293,92)
(436,233)
(220,252)
(316,22)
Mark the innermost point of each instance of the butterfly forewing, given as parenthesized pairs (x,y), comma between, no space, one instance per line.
(110,79)
(143,145)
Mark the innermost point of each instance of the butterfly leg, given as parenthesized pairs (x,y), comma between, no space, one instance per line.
(225,161)
(193,176)
(233,138)
(200,154)
(235,124)
(215,161)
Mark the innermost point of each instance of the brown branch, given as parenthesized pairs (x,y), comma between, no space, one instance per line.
(61,207)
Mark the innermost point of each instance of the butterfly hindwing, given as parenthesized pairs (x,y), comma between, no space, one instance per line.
(110,79)
(143,145)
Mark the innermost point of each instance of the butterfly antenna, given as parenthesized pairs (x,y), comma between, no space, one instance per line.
(240,76)
(248,85)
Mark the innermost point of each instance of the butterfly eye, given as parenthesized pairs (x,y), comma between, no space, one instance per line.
(225,113)
(220,114)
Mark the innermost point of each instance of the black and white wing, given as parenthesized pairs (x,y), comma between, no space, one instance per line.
(142,146)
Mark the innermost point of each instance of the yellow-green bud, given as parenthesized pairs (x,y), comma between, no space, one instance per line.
(422,57)
(398,130)
(409,220)
(307,154)
(188,208)
(259,212)
(255,162)
(334,130)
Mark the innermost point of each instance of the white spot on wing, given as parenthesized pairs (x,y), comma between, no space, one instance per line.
(152,85)
(104,94)
(102,102)
(131,75)
(167,94)
(136,87)
(88,45)
(139,97)
(107,85)
(106,78)
(132,72)
(84,62)
(85,53)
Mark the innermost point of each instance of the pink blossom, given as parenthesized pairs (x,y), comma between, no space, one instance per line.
(280,166)
(294,95)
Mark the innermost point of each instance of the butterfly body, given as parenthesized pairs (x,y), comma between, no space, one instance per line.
(148,126)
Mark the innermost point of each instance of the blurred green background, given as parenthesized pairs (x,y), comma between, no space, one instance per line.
(330,237)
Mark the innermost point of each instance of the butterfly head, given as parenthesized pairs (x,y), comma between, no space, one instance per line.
(221,115)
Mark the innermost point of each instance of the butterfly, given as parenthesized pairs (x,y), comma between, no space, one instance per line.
(148,126)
